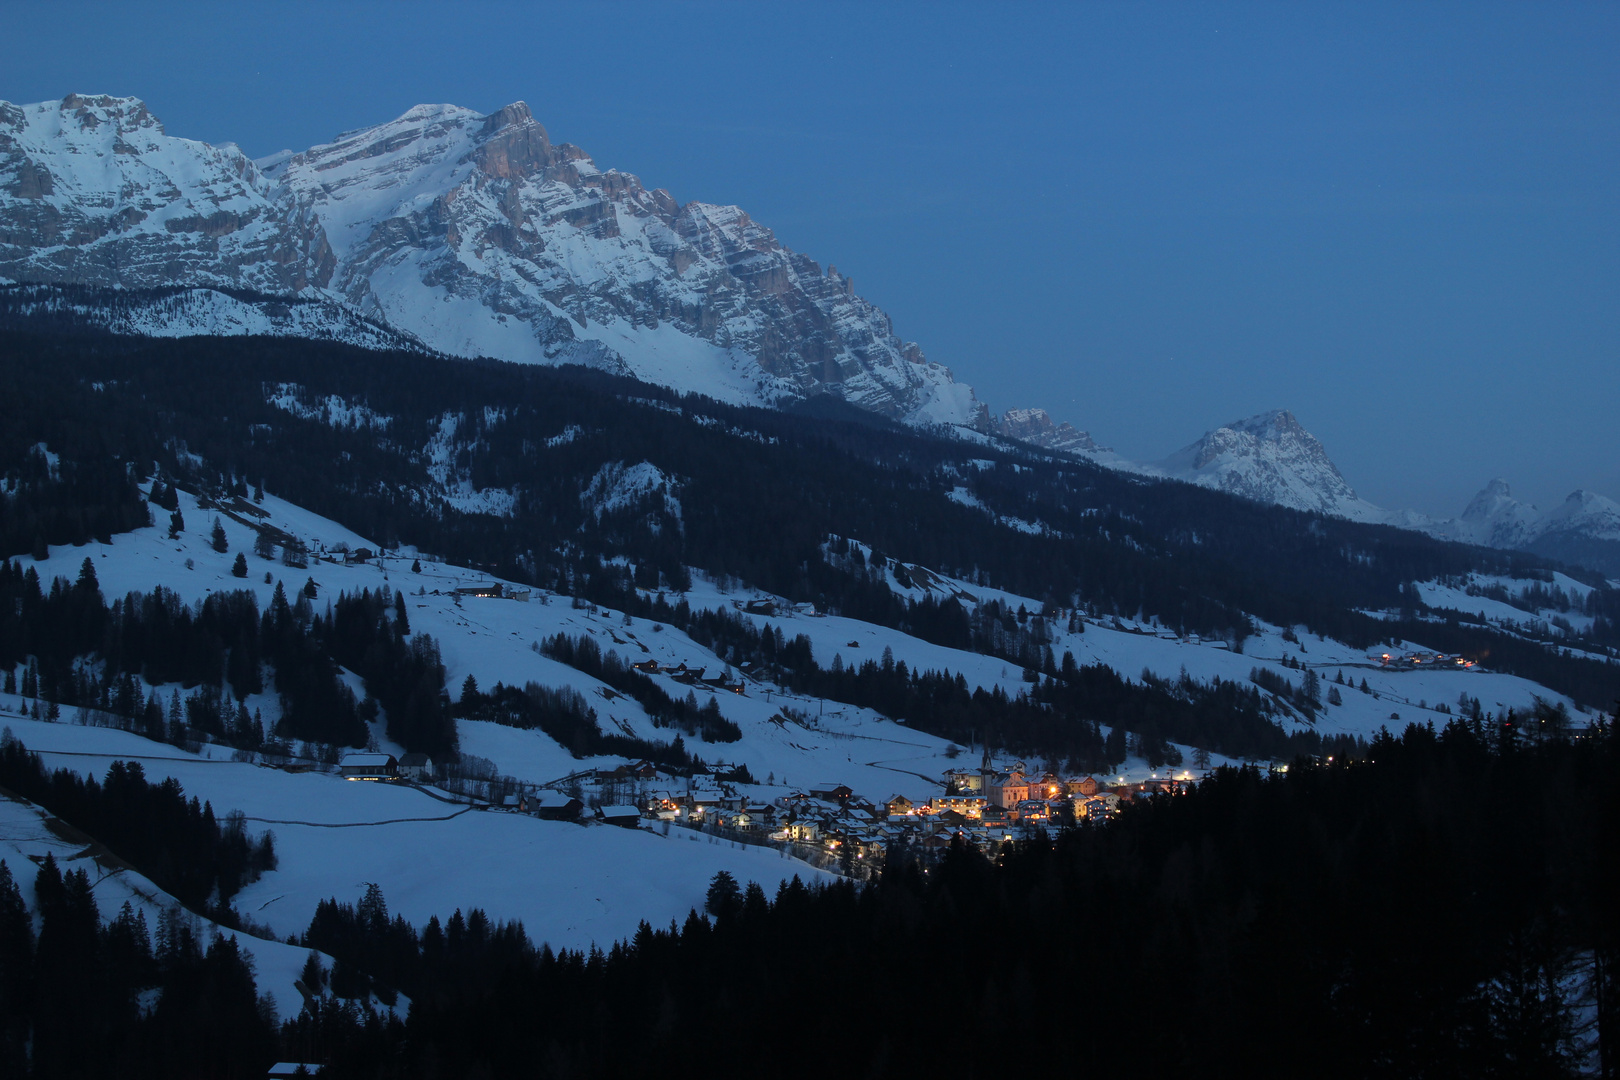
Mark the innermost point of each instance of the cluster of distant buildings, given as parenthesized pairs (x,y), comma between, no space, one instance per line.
(979,807)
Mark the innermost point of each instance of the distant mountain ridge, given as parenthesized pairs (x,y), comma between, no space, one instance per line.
(475,235)
(1271,458)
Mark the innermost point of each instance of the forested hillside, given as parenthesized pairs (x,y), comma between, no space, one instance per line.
(599,486)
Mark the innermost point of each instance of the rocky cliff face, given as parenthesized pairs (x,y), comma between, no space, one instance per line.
(476,235)
(93,192)
(1036,427)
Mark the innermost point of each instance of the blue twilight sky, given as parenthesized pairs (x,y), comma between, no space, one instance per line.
(1400,221)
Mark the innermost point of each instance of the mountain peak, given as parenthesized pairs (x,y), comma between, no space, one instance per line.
(1273,426)
(1269,457)
(513,115)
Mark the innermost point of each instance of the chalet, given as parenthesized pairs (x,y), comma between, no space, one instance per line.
(801,832)
(755,818)
(556,806)
(368,767)
(996,815)
(688,676)
(647,667)
(832,792)
(760,607)
(286,1070)
(1086,786)
(626,817)
(1095,809)
(359,555)
(900,806)
(416,766)
(1032,810)
(518,803)
(491,591)
(964,780)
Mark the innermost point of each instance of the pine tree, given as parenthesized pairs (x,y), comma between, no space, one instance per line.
(16,974)
(177,524)
(217,537)
(240,567)
(724,898)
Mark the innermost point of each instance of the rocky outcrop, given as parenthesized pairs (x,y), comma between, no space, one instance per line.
(1037,428)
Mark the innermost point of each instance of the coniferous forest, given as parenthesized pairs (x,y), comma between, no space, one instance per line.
(1400,915)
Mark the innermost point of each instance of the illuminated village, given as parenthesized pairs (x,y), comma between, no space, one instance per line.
(830,825)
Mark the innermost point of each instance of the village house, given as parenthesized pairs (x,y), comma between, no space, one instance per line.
(627,817)
(416,766)
(801,832)
(970,806)
(368,767)
(900,806)
(1007,789)
(556,806)
(1101,804)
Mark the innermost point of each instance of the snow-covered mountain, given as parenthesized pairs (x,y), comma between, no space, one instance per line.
(476,235)
(1269,458)
(1584,528)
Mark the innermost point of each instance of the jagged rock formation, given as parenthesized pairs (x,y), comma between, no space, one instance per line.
(476,235)
(1036,427)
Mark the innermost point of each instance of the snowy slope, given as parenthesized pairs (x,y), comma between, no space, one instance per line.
(493,640)
(28,834)
(474,234)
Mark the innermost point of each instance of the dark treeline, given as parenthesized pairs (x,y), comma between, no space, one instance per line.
(759,491)
(370,635)
(1058,718)
(564,715)
(179,844)
(685,714)
(221,646)
(71,996)
(1396,916)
